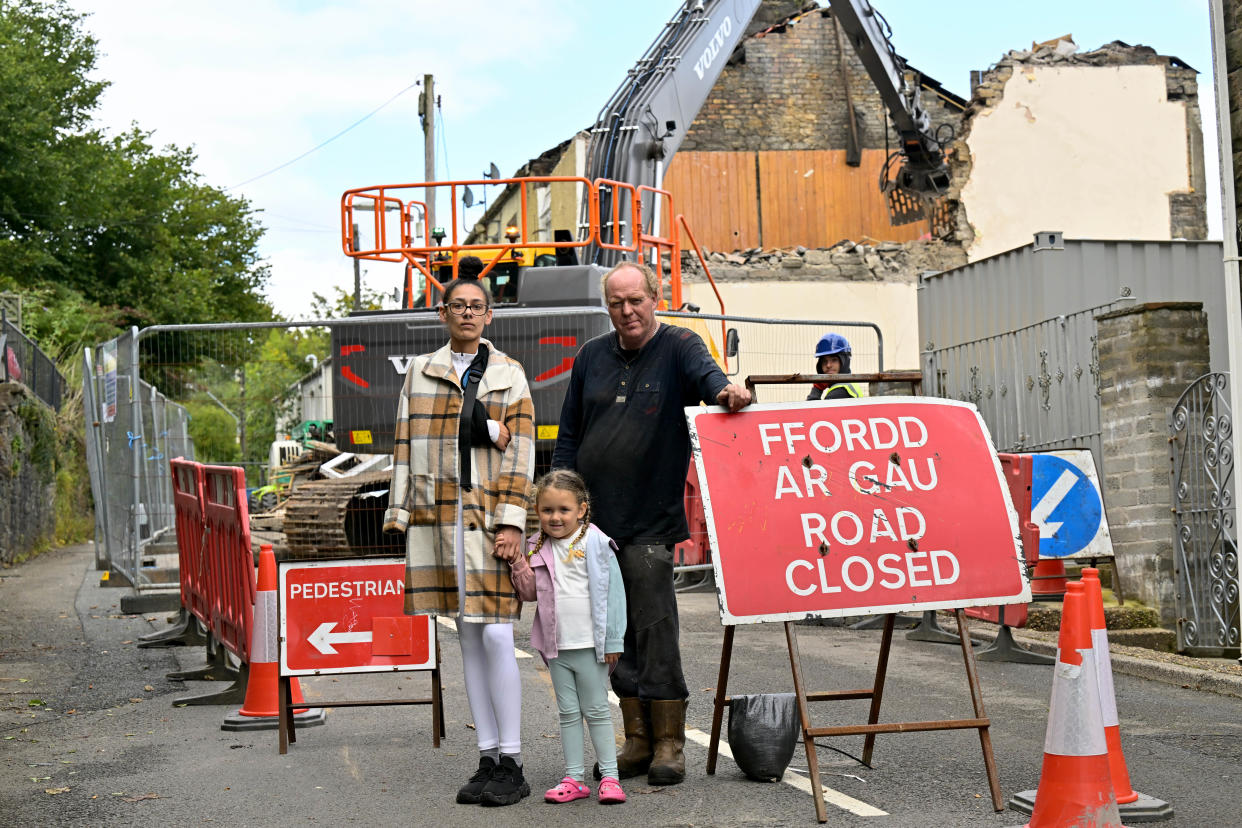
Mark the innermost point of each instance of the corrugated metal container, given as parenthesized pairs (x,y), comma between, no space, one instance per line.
(1024,286)
(1015,333)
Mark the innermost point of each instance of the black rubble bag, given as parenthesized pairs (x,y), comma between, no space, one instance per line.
(763,731)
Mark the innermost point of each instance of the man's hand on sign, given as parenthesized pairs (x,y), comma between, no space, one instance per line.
(734,397)
(508,543)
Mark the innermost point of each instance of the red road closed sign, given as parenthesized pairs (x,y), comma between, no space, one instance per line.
(347,616)
(855,507)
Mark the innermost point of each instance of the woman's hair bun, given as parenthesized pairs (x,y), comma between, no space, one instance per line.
(469,267)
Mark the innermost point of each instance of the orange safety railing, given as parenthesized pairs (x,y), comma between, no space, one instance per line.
(621,229)
(680,224)
(417,249)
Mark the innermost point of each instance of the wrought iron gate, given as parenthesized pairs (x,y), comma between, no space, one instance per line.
(1204,533)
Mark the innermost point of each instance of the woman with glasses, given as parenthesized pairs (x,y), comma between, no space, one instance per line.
(462,462)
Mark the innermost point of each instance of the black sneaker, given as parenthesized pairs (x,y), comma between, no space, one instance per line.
(470,792)
(507,786)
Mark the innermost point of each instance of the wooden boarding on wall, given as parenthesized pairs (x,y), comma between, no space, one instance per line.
(716,192)
(782,198)
(814,199)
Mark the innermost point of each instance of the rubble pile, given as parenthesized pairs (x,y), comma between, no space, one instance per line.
(845,261)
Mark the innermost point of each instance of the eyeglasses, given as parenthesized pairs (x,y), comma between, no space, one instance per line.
(460,308)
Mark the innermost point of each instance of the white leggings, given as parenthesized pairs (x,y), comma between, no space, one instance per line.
(493,684)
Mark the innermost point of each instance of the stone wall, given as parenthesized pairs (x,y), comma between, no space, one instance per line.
(27,473)
(1183,210)
(785,89)
(1149,354)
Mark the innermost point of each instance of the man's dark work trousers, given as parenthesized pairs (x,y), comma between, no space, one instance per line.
(650,667)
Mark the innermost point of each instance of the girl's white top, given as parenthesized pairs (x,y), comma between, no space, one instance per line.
(573,601)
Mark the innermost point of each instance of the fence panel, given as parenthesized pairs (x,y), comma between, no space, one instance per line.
(1204,517)
(215,393)
(230,561)
(23,361)
(131,435)
(191,538)
(781,346)
(1037,387)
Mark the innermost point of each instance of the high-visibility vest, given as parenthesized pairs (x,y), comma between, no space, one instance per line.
(853,388)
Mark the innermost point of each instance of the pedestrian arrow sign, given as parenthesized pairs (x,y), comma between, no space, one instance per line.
(1067,506)
(348,616)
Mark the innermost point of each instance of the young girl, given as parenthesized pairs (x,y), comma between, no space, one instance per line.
(579,625)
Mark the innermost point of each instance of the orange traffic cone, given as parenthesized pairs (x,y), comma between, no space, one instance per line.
(261,709)
(1108,699)
(1048,577)
(1075,784)
(1130,803)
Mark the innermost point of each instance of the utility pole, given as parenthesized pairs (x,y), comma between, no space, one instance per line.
(357,272)
(428,112)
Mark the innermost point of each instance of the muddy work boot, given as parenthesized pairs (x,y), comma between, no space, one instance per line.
(668,729)
(635,755)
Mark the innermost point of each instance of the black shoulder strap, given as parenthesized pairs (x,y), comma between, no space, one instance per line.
(470,388)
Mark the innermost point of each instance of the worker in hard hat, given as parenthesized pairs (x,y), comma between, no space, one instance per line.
(832,356)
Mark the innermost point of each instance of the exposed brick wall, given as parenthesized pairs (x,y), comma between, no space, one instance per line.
(1149,354)
(784,91)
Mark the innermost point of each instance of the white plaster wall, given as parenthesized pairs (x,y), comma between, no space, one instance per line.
(1092,151)
(786,349)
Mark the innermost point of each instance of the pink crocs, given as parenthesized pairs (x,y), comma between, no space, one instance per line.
(569,790)
(610,792)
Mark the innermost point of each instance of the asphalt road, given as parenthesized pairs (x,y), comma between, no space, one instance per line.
(91,735)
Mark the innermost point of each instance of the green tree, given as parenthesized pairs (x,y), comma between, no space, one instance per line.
(95,230)
(213,431)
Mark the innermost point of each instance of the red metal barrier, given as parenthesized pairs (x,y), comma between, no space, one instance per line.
(696,550)
(1017,471)
(187,480)
(230,561)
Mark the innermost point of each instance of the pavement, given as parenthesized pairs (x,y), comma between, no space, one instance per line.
(93,734)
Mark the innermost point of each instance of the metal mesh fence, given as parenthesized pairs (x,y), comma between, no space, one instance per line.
(22,361)
(1036,387)
(780,346)
(130,437)
(243,394)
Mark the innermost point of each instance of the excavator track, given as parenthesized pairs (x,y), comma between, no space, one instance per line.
(334,519)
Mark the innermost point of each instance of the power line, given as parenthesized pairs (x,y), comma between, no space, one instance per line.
(324,143)
(443,140)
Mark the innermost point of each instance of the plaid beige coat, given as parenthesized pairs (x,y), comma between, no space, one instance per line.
(425,486)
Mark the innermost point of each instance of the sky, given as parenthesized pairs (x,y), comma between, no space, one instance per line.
(252,86)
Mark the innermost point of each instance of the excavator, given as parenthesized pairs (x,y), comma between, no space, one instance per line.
(551,302)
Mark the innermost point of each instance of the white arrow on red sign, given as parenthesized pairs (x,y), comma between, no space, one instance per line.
(323,638)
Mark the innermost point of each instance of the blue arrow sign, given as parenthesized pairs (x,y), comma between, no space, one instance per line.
(1065,505)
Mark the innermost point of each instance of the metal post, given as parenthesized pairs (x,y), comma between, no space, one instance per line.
(135,448)
(429,146)
(94,421)
(241,426)
(357,272)
(1229,207)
